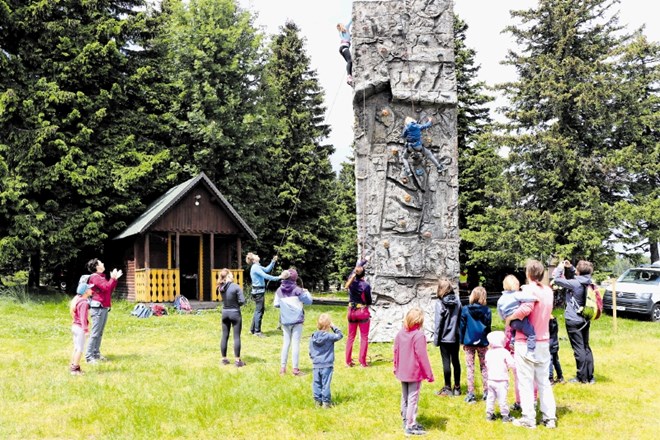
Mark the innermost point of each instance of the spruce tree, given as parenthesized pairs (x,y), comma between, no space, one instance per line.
(220,124)
(304,186)
(637,158)
(72,163)
(560,124)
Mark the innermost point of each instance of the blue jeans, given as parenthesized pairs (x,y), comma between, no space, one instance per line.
(321,384)
(99,317)
(291,337)
(524,326)
(259,309)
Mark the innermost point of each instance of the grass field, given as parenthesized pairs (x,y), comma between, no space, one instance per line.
(164,380)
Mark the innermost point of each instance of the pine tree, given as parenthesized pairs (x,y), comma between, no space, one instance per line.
(304,224)
(637,158)
(479,165)
(344,248)
(70,160)
(220,123)
(560,123)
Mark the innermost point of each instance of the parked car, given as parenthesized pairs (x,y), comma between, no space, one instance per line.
(637,291)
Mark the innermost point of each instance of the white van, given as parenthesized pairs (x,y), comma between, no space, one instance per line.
(637,291)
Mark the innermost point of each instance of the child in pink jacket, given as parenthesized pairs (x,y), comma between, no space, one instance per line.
(411,367)
(499,362)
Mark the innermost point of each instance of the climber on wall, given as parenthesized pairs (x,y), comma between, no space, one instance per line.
(412,133)
(345,49)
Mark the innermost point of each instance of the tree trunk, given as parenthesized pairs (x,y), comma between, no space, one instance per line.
(655,253)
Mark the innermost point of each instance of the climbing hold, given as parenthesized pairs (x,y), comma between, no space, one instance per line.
(385,112)
(403,223)
(404,180)
(395,151)
(386,244)
(427,234)
(407,198)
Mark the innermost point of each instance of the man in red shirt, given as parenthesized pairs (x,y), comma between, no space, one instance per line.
(100,304)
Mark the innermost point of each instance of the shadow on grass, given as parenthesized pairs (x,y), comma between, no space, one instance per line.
(432,422)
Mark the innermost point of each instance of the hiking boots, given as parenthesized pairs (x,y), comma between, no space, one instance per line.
(457,390)
(490,417)
(239,363)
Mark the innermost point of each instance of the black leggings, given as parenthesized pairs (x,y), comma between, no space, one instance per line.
(231,318)
(345,52)
(449,354)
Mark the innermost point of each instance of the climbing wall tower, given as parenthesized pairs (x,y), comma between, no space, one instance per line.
(403,53)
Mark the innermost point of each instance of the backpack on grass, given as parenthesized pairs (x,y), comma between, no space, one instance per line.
(141,311)
(182,305)
(593,303)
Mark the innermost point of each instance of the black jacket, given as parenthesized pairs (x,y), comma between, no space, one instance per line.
(447,313)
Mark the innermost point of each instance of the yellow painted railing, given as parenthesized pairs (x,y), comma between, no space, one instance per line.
(157,285)
(215,273)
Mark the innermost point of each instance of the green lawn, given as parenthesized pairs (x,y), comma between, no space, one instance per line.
(164,380)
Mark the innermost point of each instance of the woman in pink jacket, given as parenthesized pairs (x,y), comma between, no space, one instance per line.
(411,367)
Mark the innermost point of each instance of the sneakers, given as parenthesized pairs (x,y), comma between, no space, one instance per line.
(525,423)
(282,371)
(350,364)
(317,403)
(530,357)
(296,372)
(507,419)
(445,391)
(490,417)
(75,370)
(470,398)
(327,405)
(225,361)
(457,391)
(592,381)
(259,335)
(364,365)
(516,407)
(415,429)
(549,423)
(485,396)
(103,359)
(239,363)
(575,380)
(349,80)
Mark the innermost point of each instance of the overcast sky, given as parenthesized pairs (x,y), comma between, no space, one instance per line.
(486,19)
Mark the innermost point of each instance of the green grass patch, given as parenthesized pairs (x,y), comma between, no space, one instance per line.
(164,380)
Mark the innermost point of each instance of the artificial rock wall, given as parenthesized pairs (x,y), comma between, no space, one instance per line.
(404,66)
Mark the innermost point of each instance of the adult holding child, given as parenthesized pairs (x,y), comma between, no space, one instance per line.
(290,299)
(530,373)
(232,299)
(575,281)
(100,304)
(359,317)
(259,274)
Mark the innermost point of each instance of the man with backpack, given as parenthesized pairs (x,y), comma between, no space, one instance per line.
(576,281)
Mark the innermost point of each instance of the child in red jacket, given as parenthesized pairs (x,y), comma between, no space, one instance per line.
(411,367)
